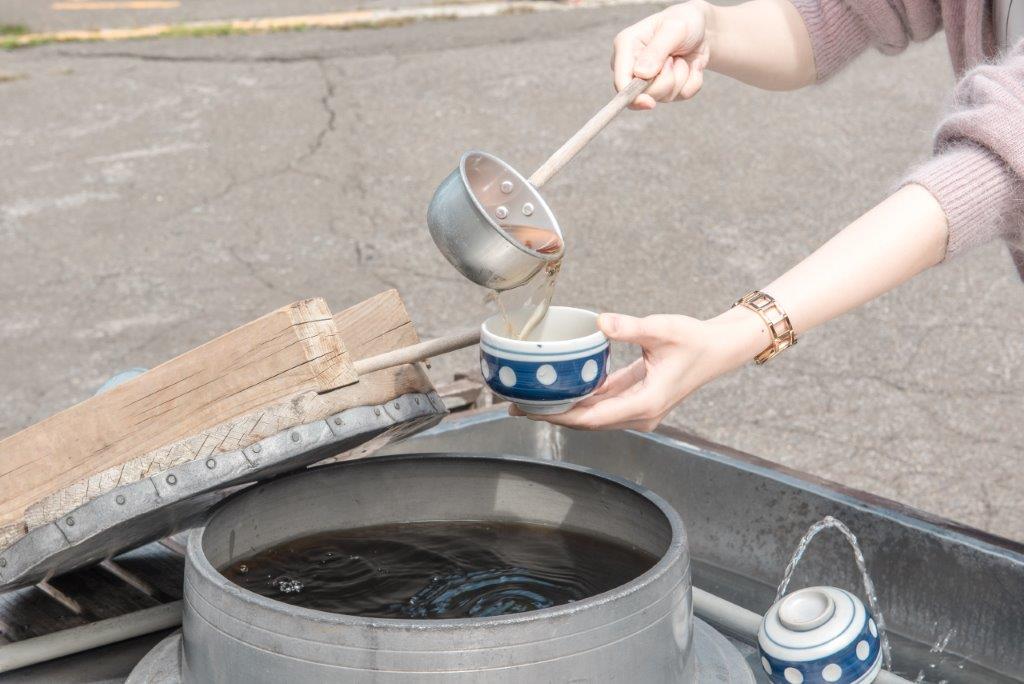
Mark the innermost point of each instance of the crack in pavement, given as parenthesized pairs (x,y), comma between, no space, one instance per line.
(292,166)
(332,115)
(253,270)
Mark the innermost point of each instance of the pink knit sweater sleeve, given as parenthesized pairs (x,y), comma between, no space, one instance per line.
(978,169)
(842,29)
(977,173)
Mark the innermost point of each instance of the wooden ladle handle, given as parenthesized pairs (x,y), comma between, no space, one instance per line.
(418,352)
(573,145)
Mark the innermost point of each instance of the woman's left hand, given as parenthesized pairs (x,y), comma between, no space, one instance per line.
(679,355)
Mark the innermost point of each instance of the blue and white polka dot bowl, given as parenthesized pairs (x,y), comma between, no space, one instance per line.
(563,360)
(820,635)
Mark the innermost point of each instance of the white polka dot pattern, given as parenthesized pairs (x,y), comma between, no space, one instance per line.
(863,649)
(794,676)
(764,663)
(485,369)
(871,626)
(546,374)
(589,371)
(832,673)
(507,376)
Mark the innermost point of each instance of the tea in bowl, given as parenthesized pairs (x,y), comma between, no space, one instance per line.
(563,360)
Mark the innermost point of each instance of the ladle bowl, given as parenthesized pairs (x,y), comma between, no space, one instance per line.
(469,215)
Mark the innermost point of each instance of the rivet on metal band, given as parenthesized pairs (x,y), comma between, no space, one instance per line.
(781,330)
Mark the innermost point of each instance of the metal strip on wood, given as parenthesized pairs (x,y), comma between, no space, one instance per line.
(143,511)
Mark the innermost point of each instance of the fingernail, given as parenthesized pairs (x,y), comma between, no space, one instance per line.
(609,323)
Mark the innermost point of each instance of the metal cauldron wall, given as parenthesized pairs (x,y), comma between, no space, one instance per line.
(640,632)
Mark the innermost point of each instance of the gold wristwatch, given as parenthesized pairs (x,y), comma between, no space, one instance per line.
(781,330)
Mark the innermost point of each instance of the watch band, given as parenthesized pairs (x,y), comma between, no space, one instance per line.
(765,306)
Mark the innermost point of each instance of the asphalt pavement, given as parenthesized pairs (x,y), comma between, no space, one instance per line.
(154,194)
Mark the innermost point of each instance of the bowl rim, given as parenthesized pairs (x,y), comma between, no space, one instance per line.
(499,345)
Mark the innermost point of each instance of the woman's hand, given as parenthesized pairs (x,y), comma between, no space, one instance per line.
(671,45)
(679,355)
(763,43)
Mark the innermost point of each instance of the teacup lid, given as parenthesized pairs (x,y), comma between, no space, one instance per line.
(806,609)
(812,623)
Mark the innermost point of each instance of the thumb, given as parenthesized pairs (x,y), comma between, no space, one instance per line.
(628,329)
(668,38)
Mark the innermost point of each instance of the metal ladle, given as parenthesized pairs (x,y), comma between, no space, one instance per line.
(474,205)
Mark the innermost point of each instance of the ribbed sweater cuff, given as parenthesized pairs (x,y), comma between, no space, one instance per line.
(837,34)
(975,190)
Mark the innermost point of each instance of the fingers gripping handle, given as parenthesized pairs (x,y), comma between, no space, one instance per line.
(573,145)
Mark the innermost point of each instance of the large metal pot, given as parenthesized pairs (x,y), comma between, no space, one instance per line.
(640,632)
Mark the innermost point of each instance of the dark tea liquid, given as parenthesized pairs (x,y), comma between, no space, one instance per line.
(439,570)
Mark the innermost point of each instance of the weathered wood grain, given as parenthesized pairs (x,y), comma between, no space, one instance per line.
(294,349)
(376,325)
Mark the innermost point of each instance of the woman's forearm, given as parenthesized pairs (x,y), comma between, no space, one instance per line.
(899,238)
(763,43)
(896,240)
(888,245)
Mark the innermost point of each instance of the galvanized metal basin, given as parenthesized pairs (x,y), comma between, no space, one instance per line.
(639,632)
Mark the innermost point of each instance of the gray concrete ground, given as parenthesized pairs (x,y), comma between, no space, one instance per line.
(155,194)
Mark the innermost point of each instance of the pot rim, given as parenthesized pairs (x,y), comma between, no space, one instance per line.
(677,547)
(544,256)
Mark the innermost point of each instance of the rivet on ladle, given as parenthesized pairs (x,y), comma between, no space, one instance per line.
(506,187)
(527,209)
(501,212)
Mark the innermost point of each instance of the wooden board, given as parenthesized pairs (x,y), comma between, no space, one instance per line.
(231,393)
(375,325)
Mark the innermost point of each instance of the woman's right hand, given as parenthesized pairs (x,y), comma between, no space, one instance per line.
(672,45)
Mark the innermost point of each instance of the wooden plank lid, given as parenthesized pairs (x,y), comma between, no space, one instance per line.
(150,456)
